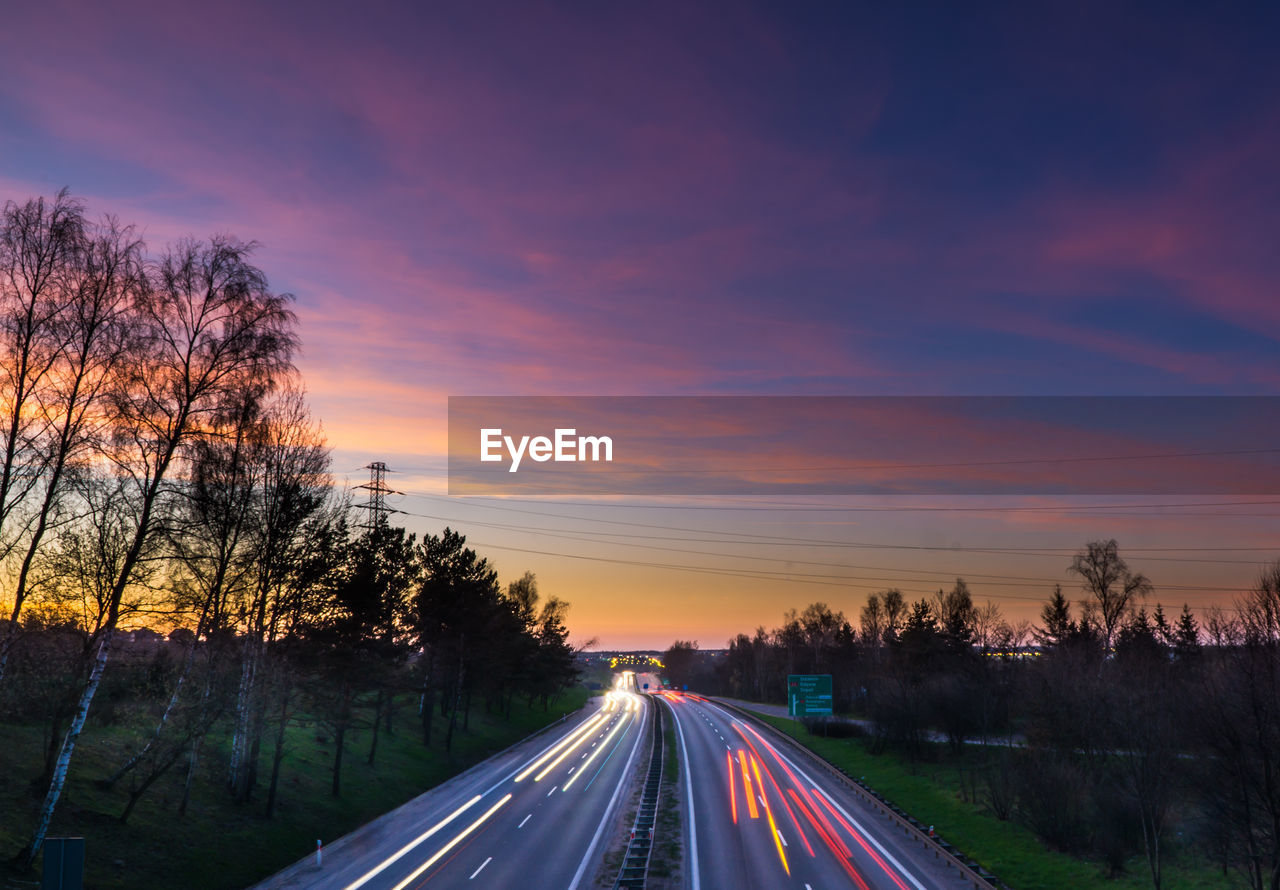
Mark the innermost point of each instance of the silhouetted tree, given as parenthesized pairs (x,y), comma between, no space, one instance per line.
(208,331)
(1107,578)
(678,662)
(1055,619)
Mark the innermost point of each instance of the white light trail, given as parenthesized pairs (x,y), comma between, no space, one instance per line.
(374,872)
(449,846)
(624,721)
(584,728)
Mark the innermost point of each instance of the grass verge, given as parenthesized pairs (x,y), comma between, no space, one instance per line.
(219,845)
(933,792)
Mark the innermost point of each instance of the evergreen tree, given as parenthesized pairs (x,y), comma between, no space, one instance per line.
(1058,627)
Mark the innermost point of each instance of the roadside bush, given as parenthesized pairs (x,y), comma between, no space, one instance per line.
(834,728)
(1054,800)
(1116,820)
(999,777)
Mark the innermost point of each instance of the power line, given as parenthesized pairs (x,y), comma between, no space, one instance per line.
(813,577)
(752,575)
(632,524)
(789,507)
(780,541)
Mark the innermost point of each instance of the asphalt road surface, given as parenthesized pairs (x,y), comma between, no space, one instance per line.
(536,816)
(764,818)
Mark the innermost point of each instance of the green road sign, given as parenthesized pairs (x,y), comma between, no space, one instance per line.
(808,695)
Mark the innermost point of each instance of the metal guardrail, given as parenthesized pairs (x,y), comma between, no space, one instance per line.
(970,868)
(635,862)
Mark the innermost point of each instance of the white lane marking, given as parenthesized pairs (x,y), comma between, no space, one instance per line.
(360,882)
(524,820)
(480,869)
(449,846)
(552,791)
(608,814)
(781,838)
(807,887)
(852,821)
(688,787)
(761,799)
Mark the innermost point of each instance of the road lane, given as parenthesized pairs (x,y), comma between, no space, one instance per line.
(533,817)
(763,820)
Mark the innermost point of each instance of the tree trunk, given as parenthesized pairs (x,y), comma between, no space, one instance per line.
(453,714)
(160,769)
(28,856)
(194,756)
(239,740)
(278,755)
(428,712)
(192,760)
(6,643)
(448,735)
(339,737)
(377,722)
(52,748)
(164,719)
(258,724)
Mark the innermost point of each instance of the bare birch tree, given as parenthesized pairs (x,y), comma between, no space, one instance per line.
(89,337)
(209,330)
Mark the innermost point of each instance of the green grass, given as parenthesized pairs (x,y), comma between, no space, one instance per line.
(221,845)
(932,793)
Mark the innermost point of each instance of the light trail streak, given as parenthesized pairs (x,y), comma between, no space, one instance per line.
(768,811)
(369,875)
(846,852)
(567,751)
(833,842)
(857,836)
(449,846)
(791,815)
(746,785)
(566,740)
(733,791)
(599,748)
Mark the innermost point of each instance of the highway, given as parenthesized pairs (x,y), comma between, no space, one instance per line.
(764,819)
(538,815)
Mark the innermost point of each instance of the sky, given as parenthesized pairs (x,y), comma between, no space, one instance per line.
(710,199)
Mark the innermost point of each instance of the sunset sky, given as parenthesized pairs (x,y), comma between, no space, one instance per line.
(711,199)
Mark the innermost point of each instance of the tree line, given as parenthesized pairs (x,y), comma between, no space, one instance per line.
(160,469)
(1110,728)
